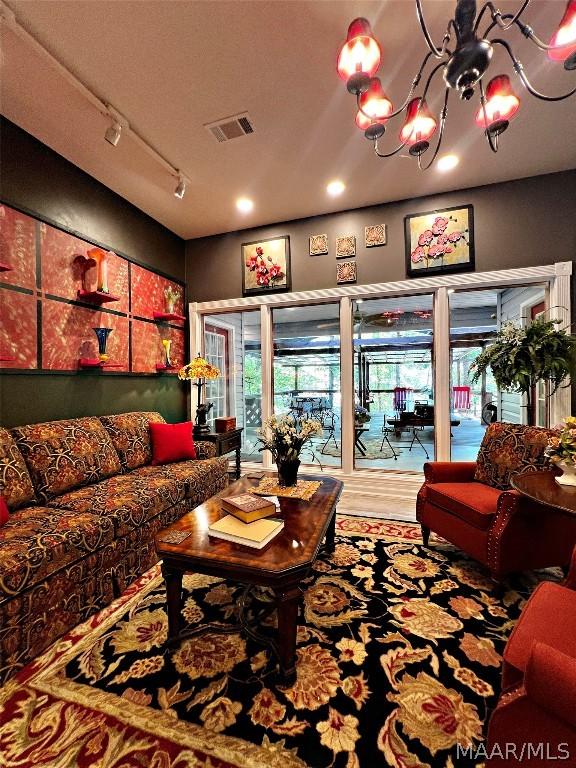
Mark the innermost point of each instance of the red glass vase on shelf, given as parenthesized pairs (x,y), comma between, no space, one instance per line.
(95,257)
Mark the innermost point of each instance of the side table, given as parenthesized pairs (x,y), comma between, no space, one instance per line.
(543,488)
(226,442)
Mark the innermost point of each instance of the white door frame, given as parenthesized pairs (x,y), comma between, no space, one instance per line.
(231,383)
(556,276)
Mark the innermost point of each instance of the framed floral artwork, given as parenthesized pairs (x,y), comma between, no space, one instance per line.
(318,245)
(345,246)
(375,235)
(346,272)
(266,266)
(439,241)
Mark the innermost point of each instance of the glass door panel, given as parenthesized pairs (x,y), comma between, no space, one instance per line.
(475,316)
(393,383)
(307,374)
(232,343)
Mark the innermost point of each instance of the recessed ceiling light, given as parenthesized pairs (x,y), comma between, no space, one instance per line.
(244,204)
(447,162)
(335,188)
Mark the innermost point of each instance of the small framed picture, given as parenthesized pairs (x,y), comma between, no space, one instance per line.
(345,246)
(266,266)
(375,235)
(346,272)
(439,242)
(318,245)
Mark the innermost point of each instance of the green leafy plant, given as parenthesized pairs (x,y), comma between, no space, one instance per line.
(521,357)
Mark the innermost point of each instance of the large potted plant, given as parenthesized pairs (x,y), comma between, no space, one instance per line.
(522,357)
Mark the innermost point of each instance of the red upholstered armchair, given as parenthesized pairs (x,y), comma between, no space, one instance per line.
(538,705)
(472,505)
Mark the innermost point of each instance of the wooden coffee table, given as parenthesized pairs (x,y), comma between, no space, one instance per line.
(282,565)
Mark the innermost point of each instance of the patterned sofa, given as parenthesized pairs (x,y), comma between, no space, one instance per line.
(85,503)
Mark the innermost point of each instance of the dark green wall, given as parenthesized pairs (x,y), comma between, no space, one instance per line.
(34,177)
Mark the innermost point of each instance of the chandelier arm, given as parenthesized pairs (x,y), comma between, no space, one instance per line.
(410,94)
(437,52)
(390,154)
(443,115)
(519,69)
(492,141)
(430,78)
(503,20)
(527,31)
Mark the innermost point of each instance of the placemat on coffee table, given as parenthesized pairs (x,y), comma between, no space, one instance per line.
(304,489)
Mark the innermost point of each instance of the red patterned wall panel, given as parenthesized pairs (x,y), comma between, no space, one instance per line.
(17,248)
(147,349)
(18,336)
(62,277)
(148,293)
(67,336)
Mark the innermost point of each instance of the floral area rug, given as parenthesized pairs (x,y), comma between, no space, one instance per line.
(399,654)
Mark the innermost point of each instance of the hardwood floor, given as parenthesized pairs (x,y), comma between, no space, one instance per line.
(392,497)
(369,494)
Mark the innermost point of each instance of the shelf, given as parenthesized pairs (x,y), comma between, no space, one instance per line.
(96,297)
(5,267)
(167,316)
(93,362)
(161,367)
(7,359)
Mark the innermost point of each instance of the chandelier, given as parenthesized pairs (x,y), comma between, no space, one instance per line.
(464,57)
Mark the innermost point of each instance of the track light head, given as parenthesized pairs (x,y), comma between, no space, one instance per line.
(180,190)
(113,133)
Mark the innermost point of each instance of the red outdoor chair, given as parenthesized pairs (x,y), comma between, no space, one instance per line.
(461,398)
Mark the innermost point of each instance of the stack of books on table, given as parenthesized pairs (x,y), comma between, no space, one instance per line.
(249,521)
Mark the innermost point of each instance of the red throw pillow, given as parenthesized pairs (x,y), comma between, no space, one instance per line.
(3,511)
(172,442)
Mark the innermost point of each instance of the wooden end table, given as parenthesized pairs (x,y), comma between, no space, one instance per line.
(282,565)
(226,442)
(543,488)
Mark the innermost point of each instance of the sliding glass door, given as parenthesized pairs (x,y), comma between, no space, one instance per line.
(475,317)
(389,375)
(393,383)
(307,374)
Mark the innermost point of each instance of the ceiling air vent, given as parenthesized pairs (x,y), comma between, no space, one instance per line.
(231,127)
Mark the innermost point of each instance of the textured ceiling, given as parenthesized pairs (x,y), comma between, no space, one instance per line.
(171,67)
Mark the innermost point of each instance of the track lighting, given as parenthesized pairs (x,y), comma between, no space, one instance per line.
(113,133)
(180,190)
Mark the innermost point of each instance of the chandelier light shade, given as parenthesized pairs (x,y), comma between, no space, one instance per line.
(464,58)
(374,102)
(563,42)
(419,127)
(360,56)
(500,106)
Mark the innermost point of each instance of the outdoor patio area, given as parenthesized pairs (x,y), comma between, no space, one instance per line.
(325,451)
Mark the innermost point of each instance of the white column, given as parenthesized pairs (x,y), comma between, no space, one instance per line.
(267,349)
(347,384)
(442,374)
(560,309)
(195,347)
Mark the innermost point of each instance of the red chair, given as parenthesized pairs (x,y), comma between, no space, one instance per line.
(471,505)
(461,398)
(538,705)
